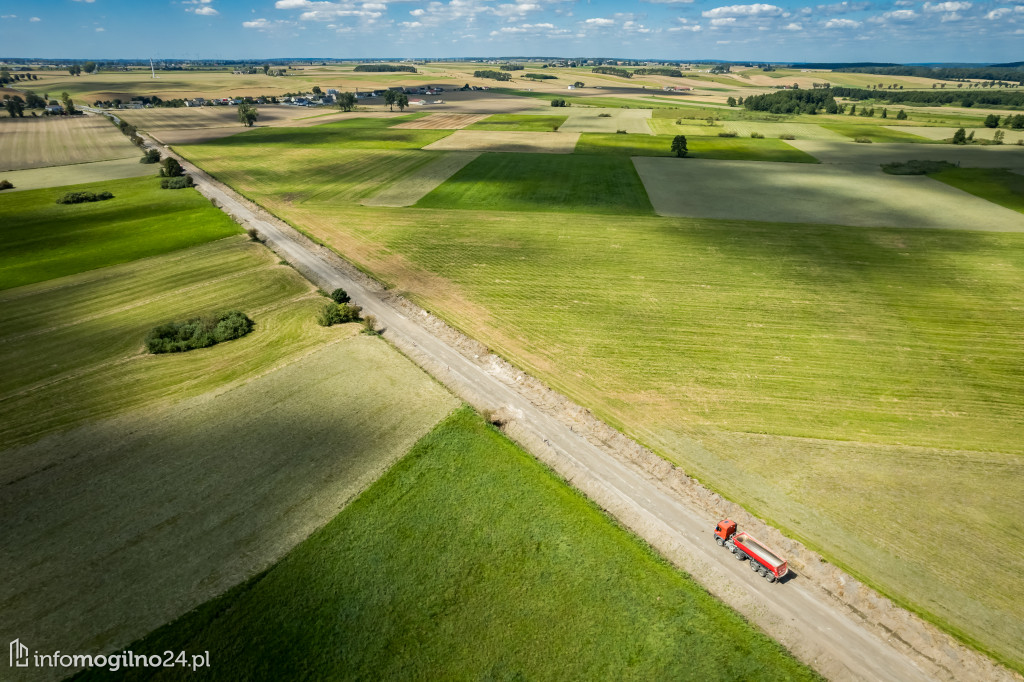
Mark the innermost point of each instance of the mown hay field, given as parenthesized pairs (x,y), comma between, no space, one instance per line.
(469,559)
(441,122)
(607,121)
(507,141)
(173,118)
(706,147)
(119,526)
(801,131)
(60,140)
(78,173)
(838,194)
(44,239)
(407,189)
(524,122)
(997,185)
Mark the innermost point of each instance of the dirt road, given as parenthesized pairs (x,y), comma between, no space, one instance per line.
(816,626)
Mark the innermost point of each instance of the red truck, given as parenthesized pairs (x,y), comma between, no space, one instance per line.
(745,546)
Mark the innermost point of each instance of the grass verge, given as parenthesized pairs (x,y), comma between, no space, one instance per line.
(44,240)
(468,559)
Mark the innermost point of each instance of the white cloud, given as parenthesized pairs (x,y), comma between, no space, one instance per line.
(946,6)
(88,1)
(723,21)
(35,19)
(844,7)
(9,16)
(206,11)
(100,29)
(998,13)
(841,23)
(599,21)
(793,27)
(900,15)
(695,28)
(757,10)
(256,23)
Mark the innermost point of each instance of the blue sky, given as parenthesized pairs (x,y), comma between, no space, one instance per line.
(848,30)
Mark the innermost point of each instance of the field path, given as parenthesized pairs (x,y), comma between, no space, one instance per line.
(839,641)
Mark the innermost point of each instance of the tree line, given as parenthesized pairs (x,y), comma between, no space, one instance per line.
(613,71)
(385,68)
(659,71)
(999,98)
(496,75)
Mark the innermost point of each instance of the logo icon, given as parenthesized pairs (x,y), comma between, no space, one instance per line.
(19,654)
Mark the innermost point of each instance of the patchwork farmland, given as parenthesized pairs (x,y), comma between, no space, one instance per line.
(827,345)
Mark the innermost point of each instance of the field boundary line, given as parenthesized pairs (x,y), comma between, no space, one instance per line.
(825,617)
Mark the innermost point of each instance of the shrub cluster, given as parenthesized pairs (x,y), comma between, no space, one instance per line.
(496,75)
(659,71)
(539,76)
(757,136)
(728,133)
(180,182)
(385,68)
(83,197)
(340,296)
(511,67)
(915,167)
(199,332)
(560,103)
(151,156)
(338,313)
(612,71)
(6,184)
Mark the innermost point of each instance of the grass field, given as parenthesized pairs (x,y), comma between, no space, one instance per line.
(543,182)
(997,185)
(427,576)
(526,122)
(43,239)
(735,148)
(876,132)
(355,133)
(60,140)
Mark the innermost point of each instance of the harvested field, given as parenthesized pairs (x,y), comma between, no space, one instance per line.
(943,133)
(801,131)
(591,121)
(443,121)
(415,185)
(60,140)
(487,141)
(117,527)
(874,132)
(173,118)
(834,195)
(968,156)
(95,171)
(539,123)
(733,148)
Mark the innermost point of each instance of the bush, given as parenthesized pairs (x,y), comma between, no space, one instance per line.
(787,136)
(83,197)
(254,236)
(151,156)
(916,167)
(6,184)
(338,313)
(604,115)
(177,183)
(862,140)
(757,136)
(340,296)
(620,132)
(171,168)
(727,133)
(370,325)
(199,332)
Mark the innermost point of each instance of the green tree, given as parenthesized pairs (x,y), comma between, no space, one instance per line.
(390,97)
(902,116)
(34,101)
(992,121)
(15,108)
(347,101)
(317,90)
(266,69)
(998,136)
(247,114)
(89,67)
(402,101)
(679,146)
(171,168)
(885,113)
(960,136)
(731,101)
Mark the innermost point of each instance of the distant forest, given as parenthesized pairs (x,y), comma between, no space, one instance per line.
(1012,71)
(388,68)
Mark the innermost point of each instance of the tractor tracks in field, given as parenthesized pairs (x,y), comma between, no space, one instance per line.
(826,618)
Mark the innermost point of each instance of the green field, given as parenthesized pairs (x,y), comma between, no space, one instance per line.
(997,185)
(526,122)
(736,148)
(73,347)
(544,182)
(355,133)
(44,240)
(874,132)
(426,576)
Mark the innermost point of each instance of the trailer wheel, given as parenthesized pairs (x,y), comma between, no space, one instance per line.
(769,576)
(754,566)
(732,548)
(763,571)
(720,541)
(741,556)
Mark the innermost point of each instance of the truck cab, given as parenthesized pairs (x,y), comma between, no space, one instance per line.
(725,530)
